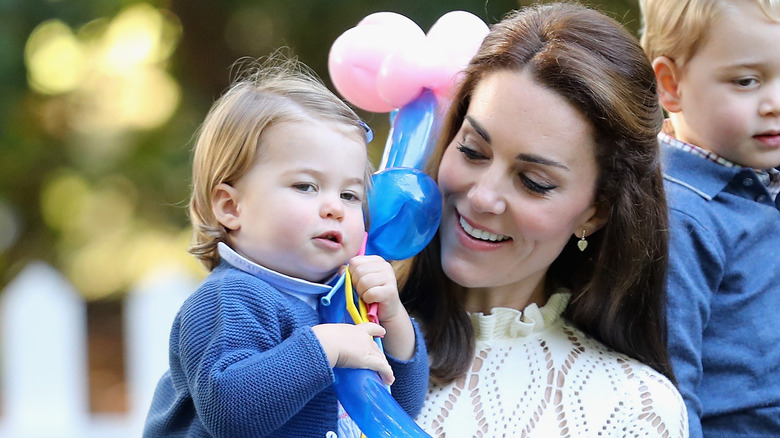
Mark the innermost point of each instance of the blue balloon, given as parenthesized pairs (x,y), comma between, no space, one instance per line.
(411,132)
(362,392)
(404,213)
(404,209)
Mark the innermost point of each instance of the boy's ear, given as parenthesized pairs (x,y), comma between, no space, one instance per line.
(224,205)
(667,75)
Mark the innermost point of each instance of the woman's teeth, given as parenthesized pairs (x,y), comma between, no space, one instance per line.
(481,234)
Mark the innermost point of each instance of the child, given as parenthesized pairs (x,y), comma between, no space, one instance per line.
(279,184)
(717,64)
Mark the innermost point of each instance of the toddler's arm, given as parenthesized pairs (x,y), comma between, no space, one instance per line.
(374,280)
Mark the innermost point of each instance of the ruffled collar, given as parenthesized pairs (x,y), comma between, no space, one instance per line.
(506,323)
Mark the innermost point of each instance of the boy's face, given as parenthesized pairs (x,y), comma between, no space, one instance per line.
(299,209)
(729,91)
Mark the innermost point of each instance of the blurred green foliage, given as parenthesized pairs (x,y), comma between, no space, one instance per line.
(100,101)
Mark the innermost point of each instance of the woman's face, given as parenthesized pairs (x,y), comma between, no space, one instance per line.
(518,180)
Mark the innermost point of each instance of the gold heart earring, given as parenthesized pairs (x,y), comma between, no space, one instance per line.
(582,243)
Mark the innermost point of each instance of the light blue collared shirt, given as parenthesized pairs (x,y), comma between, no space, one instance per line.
(306,291)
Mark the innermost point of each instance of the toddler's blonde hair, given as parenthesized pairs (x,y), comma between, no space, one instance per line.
(678,28)
(271,90)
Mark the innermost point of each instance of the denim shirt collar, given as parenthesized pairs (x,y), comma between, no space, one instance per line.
(299,288)
(702,176)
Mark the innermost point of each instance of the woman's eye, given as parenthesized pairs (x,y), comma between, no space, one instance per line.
(305,187)
(536,187)
(470,153)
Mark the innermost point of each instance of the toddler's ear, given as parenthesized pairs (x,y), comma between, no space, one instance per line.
(667,74)
(224,205)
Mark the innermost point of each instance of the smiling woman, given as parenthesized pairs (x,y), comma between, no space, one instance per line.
(548,268)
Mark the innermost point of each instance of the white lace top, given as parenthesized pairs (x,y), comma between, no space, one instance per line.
(536,375)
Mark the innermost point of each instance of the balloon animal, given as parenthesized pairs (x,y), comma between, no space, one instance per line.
(388,64)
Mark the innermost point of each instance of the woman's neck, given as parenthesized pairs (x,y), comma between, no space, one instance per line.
(514,296)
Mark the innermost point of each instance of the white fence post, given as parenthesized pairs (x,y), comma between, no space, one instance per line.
(44,372)
(44,354)
(149,312)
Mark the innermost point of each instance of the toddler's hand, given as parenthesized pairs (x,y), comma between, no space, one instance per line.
(353,346)
(374,281)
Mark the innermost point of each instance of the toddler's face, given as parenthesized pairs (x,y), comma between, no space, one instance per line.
(300,206)
(730,89)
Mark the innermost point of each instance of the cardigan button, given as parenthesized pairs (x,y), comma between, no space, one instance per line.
(747,182)
(760,198)
(331,434)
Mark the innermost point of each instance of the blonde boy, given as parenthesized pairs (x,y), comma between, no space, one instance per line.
(717,64)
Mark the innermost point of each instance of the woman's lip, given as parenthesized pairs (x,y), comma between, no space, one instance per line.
(472,224)
(472,242)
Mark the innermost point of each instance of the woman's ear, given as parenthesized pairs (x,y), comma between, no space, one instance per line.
(667,75)
(224,205)
(597,219)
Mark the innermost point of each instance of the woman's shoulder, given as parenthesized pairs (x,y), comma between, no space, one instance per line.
(645,398)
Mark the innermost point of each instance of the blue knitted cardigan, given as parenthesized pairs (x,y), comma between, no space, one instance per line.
(244,362)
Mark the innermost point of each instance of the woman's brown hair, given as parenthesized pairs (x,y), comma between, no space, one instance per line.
(618,285)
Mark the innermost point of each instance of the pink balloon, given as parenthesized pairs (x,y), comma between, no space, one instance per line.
(356,57)
(404,73)
(385,61)
(454,39)
(400,22)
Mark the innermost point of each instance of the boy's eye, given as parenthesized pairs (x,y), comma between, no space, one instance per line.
(746,82)
(305,187)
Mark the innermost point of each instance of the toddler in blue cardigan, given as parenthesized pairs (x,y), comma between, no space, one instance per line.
(717,65)
(280,171)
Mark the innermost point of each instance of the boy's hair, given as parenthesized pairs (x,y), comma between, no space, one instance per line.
(678,28)
(229,142)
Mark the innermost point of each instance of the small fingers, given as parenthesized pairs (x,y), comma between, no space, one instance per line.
(375,330)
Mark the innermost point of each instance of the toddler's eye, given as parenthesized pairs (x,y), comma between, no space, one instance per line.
(305,187)
(350,196)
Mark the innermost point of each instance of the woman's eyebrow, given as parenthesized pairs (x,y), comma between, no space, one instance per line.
(479,128)
(530,158)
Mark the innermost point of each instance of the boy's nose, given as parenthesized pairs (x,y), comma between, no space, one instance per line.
(770,105)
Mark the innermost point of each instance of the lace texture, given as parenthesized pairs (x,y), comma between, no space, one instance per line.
(536,375)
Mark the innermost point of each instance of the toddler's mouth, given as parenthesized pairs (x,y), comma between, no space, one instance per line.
(770,138)
(333,236)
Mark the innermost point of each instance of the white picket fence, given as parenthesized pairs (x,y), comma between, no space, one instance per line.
(43,360)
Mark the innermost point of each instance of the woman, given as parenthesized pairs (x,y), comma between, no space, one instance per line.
(542,294)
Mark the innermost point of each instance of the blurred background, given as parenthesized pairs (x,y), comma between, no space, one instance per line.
(100,101)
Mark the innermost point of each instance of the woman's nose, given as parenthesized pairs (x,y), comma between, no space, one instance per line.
(487,193)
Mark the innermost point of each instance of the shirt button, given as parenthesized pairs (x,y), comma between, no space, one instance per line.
(747,182)
(760,198)
(331,434)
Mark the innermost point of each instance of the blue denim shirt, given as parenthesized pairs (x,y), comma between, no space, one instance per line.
(724,296)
